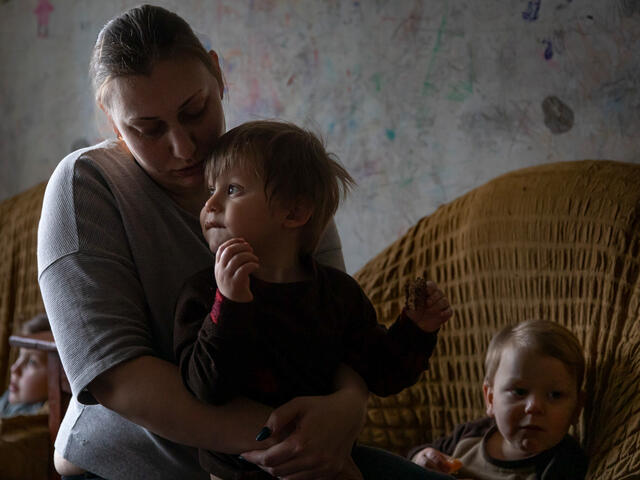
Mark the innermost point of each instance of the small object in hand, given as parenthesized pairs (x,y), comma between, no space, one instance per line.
(454,465)
(263,434)
(416,293)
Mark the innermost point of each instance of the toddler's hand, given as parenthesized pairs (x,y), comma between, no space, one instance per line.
(436,460)
(235,260)
(426,305)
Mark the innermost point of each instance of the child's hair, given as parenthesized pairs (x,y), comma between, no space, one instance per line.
(292,163)
(38,323)
(541,336)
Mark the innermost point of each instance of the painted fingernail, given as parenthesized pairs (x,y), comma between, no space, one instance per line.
(263,434)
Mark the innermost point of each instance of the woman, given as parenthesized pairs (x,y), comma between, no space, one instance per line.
(119,234)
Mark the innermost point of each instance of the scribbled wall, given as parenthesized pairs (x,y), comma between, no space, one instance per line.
(422,100)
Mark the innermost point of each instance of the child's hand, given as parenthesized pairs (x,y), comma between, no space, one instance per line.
(426,305)
(436,460)
(235,260)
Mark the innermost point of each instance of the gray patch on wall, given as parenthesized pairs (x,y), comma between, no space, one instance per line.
(628,7)
(558,117)
(79,143)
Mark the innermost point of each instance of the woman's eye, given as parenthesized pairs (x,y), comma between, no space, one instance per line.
(555,395)
(195,114)
(150,132)
(195,111)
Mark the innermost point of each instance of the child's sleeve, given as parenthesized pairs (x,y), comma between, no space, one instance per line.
(447,444)
(208,335)
(388,360)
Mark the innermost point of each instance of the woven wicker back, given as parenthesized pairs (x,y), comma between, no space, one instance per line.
(19,292)
(558,241)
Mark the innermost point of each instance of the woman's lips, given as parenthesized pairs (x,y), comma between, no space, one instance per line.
(196,169)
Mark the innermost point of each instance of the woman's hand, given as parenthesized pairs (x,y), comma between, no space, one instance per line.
(317,434)
(436,460)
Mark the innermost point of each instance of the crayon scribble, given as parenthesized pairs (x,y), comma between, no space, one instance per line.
(427,86)
(42,11)
(533,9)
(548,50)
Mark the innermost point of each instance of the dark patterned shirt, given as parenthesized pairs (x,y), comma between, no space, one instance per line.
(290,340)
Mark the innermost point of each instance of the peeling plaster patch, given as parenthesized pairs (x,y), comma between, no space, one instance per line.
(558,117)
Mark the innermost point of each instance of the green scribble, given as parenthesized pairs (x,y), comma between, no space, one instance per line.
(460,92)
(377,81)
(391,134)
(406,182)
(427,86)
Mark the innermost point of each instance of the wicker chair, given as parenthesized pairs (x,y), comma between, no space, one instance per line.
(558,241)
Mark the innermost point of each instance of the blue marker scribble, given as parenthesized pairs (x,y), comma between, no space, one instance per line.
(533,8)
(548,51)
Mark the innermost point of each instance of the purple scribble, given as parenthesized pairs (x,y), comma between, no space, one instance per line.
(548,50)
(533,8)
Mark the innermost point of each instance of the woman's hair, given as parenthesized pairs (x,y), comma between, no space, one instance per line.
(134,41)
(541,336)
(38,323)
(292,163)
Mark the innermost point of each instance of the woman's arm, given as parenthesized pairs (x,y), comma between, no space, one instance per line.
(322,431)
(149,392)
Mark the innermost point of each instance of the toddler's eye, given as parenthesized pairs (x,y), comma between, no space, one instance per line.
(519,392)
(211,191)
(555,395)
(233,189)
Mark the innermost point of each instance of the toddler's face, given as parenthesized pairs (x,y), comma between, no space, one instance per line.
(238,208)
(29,377)
(534,399)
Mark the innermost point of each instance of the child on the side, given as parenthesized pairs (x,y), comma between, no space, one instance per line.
(27,390)
(532,390)
(268,322)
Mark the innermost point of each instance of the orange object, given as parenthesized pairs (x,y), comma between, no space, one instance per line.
(454,465)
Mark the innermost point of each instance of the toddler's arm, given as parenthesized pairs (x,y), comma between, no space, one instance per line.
(426,304)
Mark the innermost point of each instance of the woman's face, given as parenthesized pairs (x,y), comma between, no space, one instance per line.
(169,120)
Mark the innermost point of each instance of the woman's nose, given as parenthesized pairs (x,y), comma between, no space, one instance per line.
(181,143)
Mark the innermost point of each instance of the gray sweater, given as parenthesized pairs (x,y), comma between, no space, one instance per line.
(113,251)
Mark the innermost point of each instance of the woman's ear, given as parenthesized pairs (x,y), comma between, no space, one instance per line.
(110,119)
(487,390)
(217,71)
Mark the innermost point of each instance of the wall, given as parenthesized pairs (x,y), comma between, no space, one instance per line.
(422,100)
